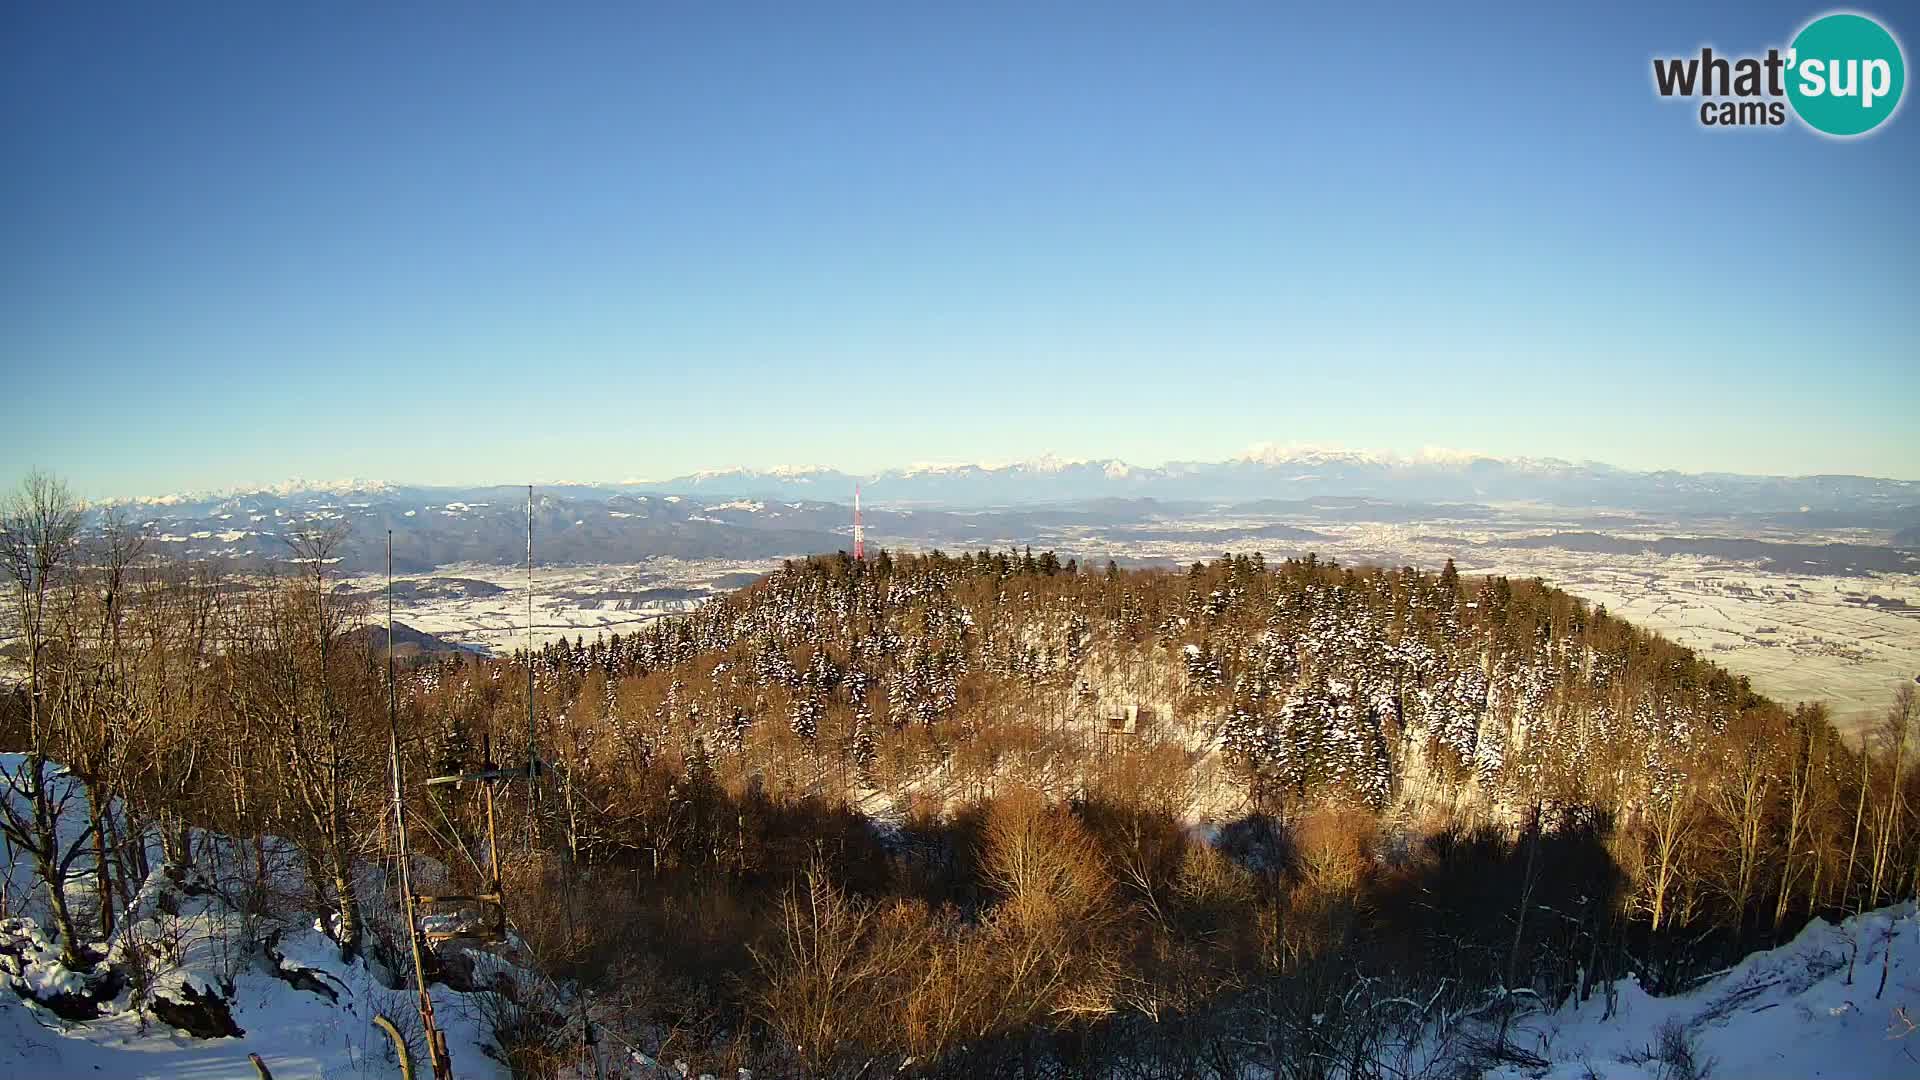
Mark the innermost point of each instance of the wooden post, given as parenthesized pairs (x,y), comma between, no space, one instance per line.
(493,835)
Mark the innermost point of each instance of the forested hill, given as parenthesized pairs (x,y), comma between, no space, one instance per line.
(1416,703)
(1373,686)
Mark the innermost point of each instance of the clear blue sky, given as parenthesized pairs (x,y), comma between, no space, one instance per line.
(496,242)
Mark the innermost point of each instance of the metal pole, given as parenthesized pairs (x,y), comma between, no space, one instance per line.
(530,758)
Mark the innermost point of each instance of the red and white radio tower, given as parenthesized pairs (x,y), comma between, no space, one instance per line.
(859,534)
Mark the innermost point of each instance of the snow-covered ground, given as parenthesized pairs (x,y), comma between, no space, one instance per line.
(299,1033)
(271,980)
(1815,1007)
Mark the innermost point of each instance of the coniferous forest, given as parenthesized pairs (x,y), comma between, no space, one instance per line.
(956,815)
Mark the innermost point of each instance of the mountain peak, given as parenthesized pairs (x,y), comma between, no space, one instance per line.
(285,489)
(1296,453)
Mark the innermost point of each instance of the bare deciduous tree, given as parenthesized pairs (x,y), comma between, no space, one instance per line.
(298,688)
(39,528)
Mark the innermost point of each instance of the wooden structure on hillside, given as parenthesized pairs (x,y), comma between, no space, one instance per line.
(1114,724)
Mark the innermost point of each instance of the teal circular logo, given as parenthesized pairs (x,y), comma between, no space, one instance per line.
(1845,74)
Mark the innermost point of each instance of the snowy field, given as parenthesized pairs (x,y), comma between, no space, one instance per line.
(569,601)
(1797,639)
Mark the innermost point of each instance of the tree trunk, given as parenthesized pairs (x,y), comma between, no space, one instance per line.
(47,863)
(1669,833)
(102,874)
(128,843)
(62,915)
(1885,842)
(260,864)
(1797,813)
(1859,813)
(176,844)
(349,904)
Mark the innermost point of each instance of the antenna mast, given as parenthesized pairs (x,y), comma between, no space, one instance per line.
(530,758)
(859,533)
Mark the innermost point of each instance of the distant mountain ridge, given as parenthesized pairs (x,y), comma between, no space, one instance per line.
(612,524)
(1268,472)
(434,527)
(1264,472)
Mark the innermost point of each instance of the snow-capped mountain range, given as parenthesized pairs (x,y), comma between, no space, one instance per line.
(1272,495)
(1265,471)
(1270,471)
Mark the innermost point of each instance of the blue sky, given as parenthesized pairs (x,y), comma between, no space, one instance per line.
(450,243)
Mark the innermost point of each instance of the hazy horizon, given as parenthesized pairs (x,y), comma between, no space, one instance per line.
(1424,456)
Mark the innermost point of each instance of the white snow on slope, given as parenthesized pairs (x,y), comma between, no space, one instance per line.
(298,1033)
(1811,1008)
(194,942)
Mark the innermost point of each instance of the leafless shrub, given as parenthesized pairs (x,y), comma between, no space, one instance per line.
(831,968)
(402,1008)
(1672,1055)
(526,1028)
(1334,847)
